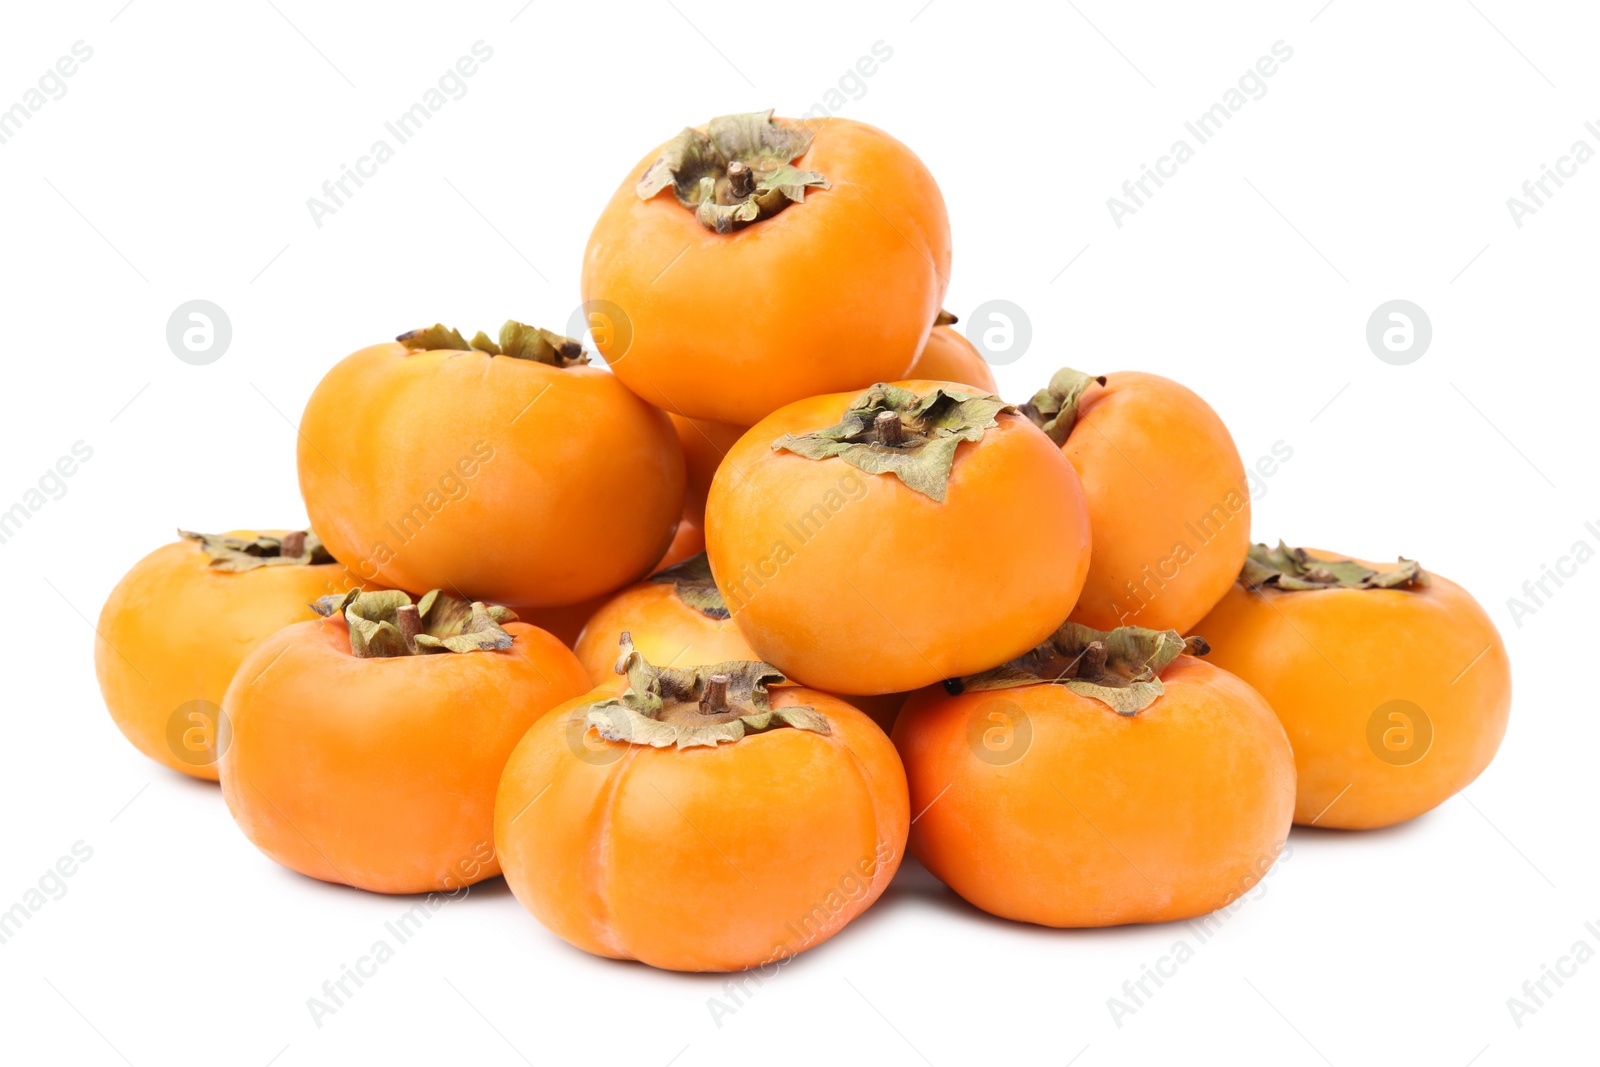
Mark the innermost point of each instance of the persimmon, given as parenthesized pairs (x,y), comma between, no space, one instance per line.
(950,357)
(1392,682)
(1168,496)
(878,542)
(511,471)
(1104,778)
(367,745)
(677,619)
(176,626)
(699,820)
(567,621)
(758,261)
(704,445)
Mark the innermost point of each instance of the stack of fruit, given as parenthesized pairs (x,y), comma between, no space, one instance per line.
(527,660)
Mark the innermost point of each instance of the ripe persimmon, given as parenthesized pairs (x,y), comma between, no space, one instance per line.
(677,619)
(1392,682)
(177,625)
(878,542)
(511,471)
(367,745)
(567,621)
(704,445)
(949,357)
(1167,492)
(1104,778)
(695,821)
(759,261)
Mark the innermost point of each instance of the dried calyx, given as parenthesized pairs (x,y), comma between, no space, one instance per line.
(1120,668)
(890,430)
(945,318)
(692,706)
(297,548)
(692,583)
(1295,569)
(738,171)
(1054,409)
(517,340)
(386,623)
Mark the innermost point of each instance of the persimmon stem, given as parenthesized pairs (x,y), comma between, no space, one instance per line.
(299,548)
(890,429)
(1120,668)
(409,620)
(735,172)
(1294,569)
(715,700)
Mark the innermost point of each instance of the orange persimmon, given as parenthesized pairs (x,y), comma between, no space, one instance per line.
(1393,683)
(949,357)
(1168,496)
(177,625)
(704,445)
(877,542)
(677,619)
(511,471)
(1104,778)
(759,261)
(367,745)
(692,820)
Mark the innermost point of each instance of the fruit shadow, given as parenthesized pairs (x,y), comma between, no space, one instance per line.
(915,887)
(195,786)
(1329,836)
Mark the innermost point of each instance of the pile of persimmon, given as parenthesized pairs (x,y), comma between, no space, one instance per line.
(678,638)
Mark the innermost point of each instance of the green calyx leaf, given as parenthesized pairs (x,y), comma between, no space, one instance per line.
(702,706)
(737,172)
(298,548)
(517,340)
(385,623)
(1120,668)
(1054,409)
(890,430)
(692,583)
(1296,570)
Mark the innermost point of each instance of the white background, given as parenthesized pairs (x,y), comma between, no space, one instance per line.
(1377,166)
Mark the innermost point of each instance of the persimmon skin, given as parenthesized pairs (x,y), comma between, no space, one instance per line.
(457,470)
(1328,659)
(1104,819)
(854,608)
(704,445)
(381,773)
(949,357)
(827,293)
(175,629)
(702,859)
(667,631)
(1159,471)
(567,622)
